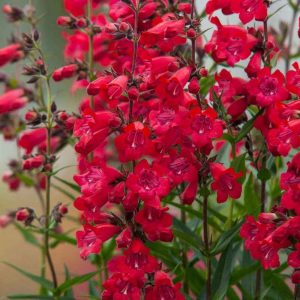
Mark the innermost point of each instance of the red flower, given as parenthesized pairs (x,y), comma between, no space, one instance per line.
(254,65)
(290,182)
(134,142)
(12,100)
(32,138)
(136,258)
(267,88)
(156,223)
(33,162)
(148,181)
(163,288)
(91,239)
(204,127)
(225,182)
(10,53)
(123,286)
(224,5)
(170,89)
(97,183)
(12,180)
(166,35)
(232,93)
(250,9)
(64,72)
(77,7)
(294,257)
(229,43)
(293,80)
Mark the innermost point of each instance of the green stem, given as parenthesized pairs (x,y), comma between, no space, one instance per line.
(48,186)
(297,292)
(91,50)
(184,258)
(207,246)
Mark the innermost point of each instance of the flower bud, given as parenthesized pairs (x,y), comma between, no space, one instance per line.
(194,86)
(185,7)
(64,21)
(25,215)
(203,72)
(296,277)
(191,33)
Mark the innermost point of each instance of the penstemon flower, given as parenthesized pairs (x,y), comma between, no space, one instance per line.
(184,164)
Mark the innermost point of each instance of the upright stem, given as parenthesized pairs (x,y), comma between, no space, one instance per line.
(184,258)
(297,292)
(91,50)
(267,58)
(207,246)
(134,56)
(290,41)
(193,40)
(48,185)
(262,209)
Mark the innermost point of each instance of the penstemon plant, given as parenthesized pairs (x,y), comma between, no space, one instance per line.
(187,138)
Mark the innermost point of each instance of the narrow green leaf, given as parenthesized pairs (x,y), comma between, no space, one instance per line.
(21,296)
(27,234)
(25,179)
(277,285)
(74,281)
(63,191)
(71,185)
(93,289)
(185,234)
(239,165)
(251,199)
(69,292)
(226,238)
(247,127)
(276,11)
(221,277)
(40,280)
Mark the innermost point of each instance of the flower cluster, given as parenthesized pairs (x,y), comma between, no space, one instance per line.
(157,129)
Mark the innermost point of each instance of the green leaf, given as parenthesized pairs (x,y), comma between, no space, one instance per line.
(71,185)
(74,281)
(25,179)
(27,234)
(93,289)
(168,254)
(68,292)
(61,238)
(247,127)
(251,199)
(60,169)
(108,250)
(20,296)
(264,174)
(276,11)
(40,280)
(39,297)
(278,286)
(220,283)
(185,234)
(63,191)
(206,83)
(239,165)
(226,238)
(242,271)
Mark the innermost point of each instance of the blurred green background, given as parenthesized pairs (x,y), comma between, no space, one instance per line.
(12,246)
